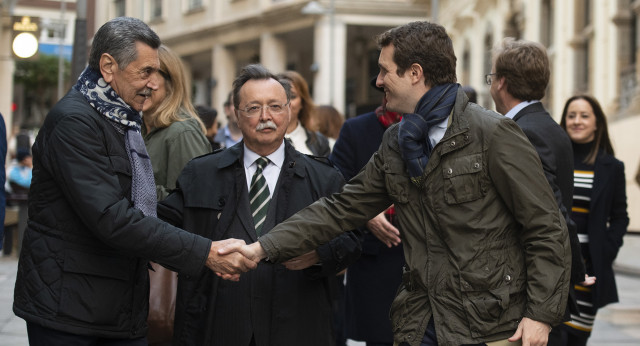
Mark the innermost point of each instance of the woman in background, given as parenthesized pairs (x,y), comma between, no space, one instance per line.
(173,131)
(328,121)
(173,135)
(299,131)
(599,210)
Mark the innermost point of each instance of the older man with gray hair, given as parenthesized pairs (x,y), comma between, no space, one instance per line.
(82,276)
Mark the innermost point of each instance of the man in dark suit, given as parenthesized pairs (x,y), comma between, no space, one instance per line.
(373,280)
(242,192)
(518,80)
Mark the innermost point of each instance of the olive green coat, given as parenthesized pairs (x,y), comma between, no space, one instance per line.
(170,149)
(484,241)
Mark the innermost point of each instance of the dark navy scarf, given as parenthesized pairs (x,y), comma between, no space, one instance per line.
(106,101)
(433,108)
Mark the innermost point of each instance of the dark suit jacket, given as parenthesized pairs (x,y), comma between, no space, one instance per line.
(372,280)
(275,305)
(556,154)
(608,221)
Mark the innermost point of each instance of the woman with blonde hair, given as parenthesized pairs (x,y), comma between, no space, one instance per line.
(173,134)
(300,132)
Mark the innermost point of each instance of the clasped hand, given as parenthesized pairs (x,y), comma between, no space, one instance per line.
(231,257)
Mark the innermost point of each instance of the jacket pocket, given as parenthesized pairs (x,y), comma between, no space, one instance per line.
(486,297)
(397,182)
(96,289)
(462,179)
(398,312)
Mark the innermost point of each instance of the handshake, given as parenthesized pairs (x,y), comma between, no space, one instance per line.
(231,257)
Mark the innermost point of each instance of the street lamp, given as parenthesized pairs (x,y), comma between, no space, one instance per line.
(315,8)
(25,45)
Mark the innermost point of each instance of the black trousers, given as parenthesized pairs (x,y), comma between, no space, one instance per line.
(41,336)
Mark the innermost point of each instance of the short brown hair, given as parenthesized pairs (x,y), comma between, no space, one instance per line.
(426,44)
(524,65)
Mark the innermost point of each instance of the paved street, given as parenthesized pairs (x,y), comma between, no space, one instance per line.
(616,325)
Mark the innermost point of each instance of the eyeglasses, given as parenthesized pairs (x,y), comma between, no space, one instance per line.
(487,78)
(256,110)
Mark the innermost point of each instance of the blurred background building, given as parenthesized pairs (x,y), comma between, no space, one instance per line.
(329,42)
(593,46)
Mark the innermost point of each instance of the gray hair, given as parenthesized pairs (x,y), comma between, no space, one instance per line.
(256,72)
(118,38)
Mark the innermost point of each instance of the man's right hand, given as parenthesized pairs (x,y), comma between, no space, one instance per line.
(230,265)
(384,230)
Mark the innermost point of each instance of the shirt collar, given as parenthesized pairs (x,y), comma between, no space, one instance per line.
(515,110)
(276,157)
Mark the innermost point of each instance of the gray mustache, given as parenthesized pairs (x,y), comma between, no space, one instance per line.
(267,125)
(146,92)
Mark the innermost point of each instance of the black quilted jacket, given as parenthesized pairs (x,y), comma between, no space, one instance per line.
(83,264)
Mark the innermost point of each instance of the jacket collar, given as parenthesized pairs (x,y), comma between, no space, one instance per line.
(230,155)
(293,159)
(535,107)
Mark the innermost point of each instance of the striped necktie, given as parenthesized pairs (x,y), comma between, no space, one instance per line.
(259,195)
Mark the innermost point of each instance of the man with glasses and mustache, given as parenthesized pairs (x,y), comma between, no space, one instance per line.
(242,192)
(83,271)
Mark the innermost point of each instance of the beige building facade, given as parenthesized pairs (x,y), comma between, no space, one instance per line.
(331,42)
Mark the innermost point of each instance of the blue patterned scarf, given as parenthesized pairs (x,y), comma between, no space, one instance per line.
(415,146)
(106,101)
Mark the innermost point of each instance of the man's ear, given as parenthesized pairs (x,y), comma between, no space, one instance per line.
(108,66)
(416,73)
(502,83)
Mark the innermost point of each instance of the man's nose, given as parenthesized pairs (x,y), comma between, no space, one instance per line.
(153,81)
(379,81)
(265,113)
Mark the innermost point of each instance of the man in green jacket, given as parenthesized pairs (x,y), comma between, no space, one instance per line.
(487,252)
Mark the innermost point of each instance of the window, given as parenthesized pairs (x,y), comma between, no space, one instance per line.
(466,64)
(583,43)
(155,8)
(195,4)
(486,99)
(547,23)
(53,30)
(192,6)
(627,25)
(120,7)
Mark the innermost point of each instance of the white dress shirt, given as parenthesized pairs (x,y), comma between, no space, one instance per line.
(298,138)
(271,172)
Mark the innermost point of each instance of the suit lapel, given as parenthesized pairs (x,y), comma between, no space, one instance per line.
(244,209)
